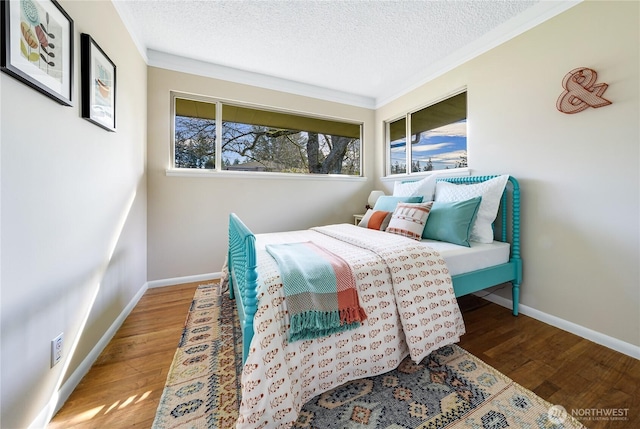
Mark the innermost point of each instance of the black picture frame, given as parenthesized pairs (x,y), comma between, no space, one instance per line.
(98,83)
(37,46)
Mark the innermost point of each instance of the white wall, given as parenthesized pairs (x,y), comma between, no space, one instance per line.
(188,216)
(73,221)
(579,173)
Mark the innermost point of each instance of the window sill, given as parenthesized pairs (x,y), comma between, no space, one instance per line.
(417,176)
(186,172)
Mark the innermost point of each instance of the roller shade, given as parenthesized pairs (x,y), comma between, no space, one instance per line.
(446,112)
(398,131)
(195,109)
(266,118)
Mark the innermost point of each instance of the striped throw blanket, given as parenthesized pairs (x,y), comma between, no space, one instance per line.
(320,290)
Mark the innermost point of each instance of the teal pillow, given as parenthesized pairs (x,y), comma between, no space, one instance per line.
(452,221)
(388,203)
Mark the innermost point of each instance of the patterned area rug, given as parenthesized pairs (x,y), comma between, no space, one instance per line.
(202,388)
(449,389)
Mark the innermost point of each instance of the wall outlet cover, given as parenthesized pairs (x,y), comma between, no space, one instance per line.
(56,349)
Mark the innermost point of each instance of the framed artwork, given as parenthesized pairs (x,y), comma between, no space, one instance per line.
(37,46)
(98,78)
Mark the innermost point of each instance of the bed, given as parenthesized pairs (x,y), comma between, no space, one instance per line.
(280,376)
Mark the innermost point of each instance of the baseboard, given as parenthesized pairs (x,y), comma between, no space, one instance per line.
(597,337)
(59,398)
(186,279)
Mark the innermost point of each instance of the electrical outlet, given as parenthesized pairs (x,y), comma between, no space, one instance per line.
(56,349)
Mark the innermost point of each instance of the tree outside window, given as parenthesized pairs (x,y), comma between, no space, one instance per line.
(260,140)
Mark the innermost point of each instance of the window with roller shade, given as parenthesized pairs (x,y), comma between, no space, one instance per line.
(215,135)
(437,136)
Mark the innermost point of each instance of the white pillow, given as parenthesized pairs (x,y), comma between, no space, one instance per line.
(424,188)
(490,191)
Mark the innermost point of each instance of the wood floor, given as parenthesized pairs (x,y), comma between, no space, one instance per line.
(124,386)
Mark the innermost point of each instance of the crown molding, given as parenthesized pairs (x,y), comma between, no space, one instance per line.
(216,71)
(128,21)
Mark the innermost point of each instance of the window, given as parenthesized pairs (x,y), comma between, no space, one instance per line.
(438,136)
(215,135)
(194,134)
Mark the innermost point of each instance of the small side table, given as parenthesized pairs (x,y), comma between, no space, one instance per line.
(357,218)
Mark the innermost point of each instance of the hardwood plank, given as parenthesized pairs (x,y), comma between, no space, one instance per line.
(124,386)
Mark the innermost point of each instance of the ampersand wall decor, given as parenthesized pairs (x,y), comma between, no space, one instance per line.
(581,92)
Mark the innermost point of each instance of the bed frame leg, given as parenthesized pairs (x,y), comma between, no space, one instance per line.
(515,296)
(229,276)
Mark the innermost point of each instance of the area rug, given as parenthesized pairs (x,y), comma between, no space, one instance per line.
(449,389)
(202,388)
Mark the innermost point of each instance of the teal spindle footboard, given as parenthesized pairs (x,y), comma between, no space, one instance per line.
(243,277)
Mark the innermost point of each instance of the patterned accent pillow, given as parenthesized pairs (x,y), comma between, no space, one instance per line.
(425,188)
(376,219)
(409,219)
(490,191)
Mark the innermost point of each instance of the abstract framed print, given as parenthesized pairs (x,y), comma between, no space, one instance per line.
(98,78)
(37,46)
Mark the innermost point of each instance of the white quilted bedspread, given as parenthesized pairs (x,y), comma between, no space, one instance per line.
(406,291)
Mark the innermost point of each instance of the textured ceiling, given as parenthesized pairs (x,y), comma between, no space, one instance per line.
(372,49)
